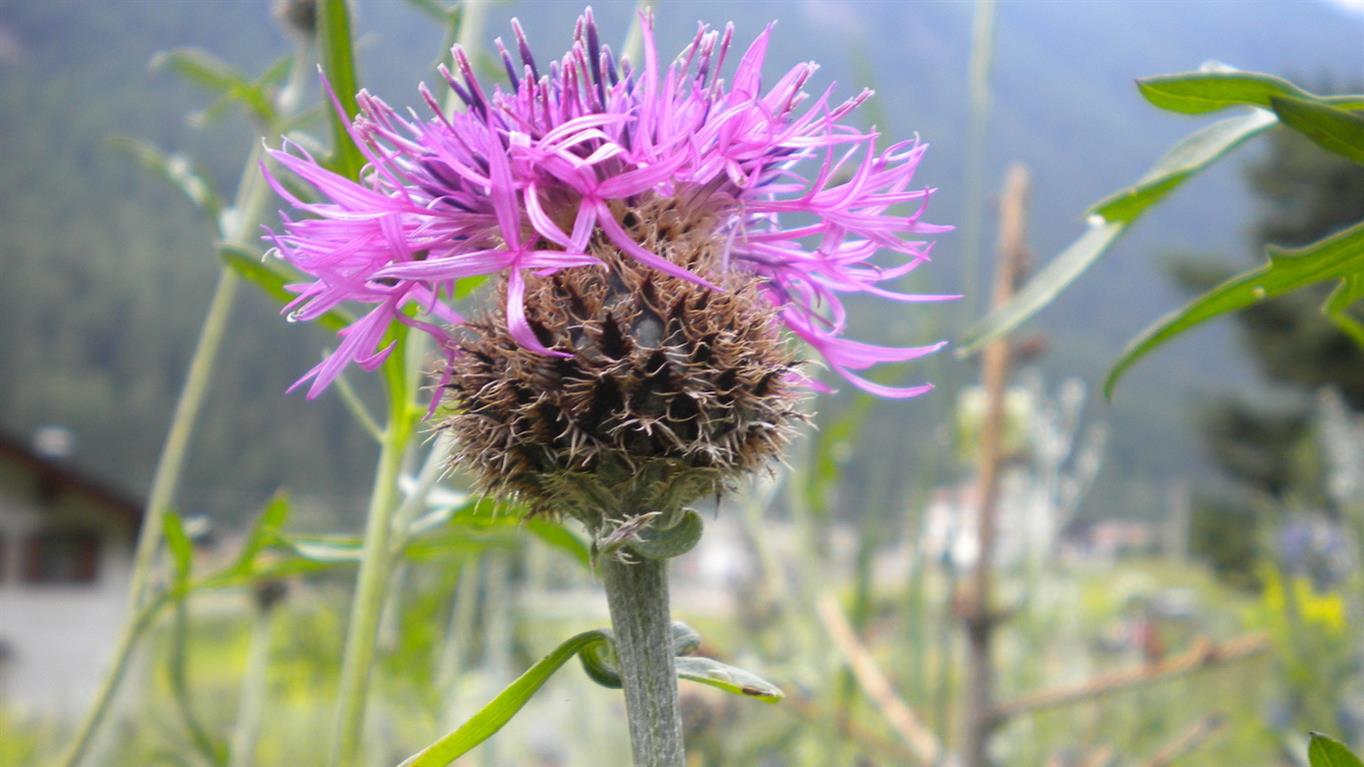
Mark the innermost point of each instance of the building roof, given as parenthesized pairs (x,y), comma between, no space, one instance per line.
(57,474)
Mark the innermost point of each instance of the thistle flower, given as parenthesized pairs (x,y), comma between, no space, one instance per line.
(655,246)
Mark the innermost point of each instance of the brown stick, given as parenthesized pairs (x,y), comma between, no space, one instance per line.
(979,617)
(897,713)
(1202,655)
(1101,757)
(872,741)
(1188,741)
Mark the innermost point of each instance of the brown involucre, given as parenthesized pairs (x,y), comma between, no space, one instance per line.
(673,390)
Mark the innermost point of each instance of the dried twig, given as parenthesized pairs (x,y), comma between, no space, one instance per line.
(872,741)
(1100,757)
(897,713)
(1189,740)
(979,618)
(1203,654)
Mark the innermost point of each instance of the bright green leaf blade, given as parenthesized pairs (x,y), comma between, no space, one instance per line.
(179,545)
(1337,309)
(597,653)
(1117,212)
(1042,289)
(1336,257)
(338,64)
(728,678)
(175,169)
(1324,751)
(1196,152)
(272,277)
(1202,92)
(1332,129)
(501,709)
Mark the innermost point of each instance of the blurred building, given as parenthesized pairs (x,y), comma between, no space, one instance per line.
(1026,522)
(66,551)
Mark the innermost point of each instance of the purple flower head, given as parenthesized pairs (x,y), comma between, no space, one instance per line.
(524,180)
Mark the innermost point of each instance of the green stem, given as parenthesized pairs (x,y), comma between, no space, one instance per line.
(368,605)
(252,195)
(132,630)
(251,708)
(637,594)
(187,409)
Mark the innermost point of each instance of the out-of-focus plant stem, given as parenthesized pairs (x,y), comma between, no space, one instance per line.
(80,742)
(376,567)
(251,708)
(248,212)
(978,111)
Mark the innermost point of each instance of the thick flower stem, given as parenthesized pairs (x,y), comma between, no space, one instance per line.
(637,594)
(368,606)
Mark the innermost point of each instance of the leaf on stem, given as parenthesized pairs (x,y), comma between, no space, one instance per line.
(1340,256)
(1324,751)
(1337,309)
(338,64)
(596,650)
(180,547)
(177,170)
(1111,217)
(1196,93)
(1332,129)
(213,74)
(1321,117)
(273,278)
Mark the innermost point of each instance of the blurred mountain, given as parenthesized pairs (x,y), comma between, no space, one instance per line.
(106,273)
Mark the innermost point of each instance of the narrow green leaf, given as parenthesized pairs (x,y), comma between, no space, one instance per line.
(338,64)
(262,85)
(1336,257)
(325,549)
(728,678)
(175,169)
(1324,751)
(501,709)
(1332,129)
(445,543)
(271,277)
(561,538)
(179,545)
(214,74)
(596,650)
(1196,152)
(1043,288)
(263,531)
(1337,309)
(1114,214)
(1202,92)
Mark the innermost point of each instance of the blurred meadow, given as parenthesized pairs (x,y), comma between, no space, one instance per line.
(1175,573)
